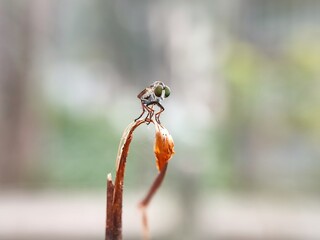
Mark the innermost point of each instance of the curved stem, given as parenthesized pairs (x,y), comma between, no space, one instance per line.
(114,200)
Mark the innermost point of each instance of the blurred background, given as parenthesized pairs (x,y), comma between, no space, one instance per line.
(243,112)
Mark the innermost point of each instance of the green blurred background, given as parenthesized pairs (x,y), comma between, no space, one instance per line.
(243,112)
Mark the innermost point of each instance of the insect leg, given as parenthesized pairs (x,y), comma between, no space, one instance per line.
(157,116)
(143,111)
(150,112)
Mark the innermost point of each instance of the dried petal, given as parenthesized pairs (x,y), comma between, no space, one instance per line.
(163,146)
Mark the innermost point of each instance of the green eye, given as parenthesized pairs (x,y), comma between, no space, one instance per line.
(158,91)
(166,91)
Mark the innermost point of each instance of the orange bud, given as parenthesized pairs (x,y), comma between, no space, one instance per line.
(163,146)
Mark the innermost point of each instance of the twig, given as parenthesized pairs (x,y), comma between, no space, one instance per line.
(114,200)
(163,149)
(109,221)
(145,202)
(156,184)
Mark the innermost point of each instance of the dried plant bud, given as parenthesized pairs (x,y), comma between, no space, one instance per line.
(163,146)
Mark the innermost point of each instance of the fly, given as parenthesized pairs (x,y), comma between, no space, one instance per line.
(151,96)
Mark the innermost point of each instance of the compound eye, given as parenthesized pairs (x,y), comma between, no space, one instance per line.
(158,91)
(167,91)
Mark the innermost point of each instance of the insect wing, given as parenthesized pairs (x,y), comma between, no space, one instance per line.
(144,93)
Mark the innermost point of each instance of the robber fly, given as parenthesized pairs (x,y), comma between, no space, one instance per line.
(151,96)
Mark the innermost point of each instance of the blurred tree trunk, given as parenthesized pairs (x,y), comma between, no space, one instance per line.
(15,62)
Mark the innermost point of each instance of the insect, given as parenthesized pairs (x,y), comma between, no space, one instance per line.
(151,96)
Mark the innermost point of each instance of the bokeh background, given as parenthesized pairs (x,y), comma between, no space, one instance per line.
(244,114)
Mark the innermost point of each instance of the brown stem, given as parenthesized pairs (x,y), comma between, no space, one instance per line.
(109,221)
(114,200)
(155,186)
(145,202)
(115,191)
